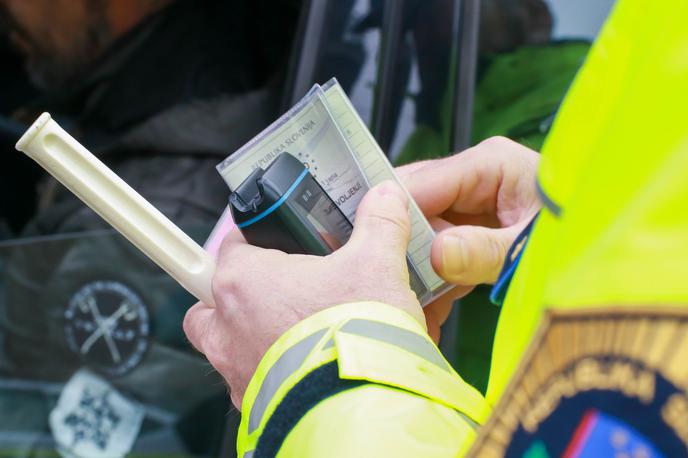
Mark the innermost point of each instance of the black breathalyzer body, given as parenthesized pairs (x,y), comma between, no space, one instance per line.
(283,207)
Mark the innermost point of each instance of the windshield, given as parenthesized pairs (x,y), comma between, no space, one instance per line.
(93,354)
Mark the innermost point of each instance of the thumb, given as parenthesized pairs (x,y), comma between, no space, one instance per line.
(382,227)
(470,255)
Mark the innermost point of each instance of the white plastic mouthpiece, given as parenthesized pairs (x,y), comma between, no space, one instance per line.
(109,196)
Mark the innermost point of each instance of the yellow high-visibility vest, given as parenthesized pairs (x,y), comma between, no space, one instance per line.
(614,180)
(364,380)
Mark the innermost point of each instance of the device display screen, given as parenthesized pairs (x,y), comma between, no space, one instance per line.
(328,227)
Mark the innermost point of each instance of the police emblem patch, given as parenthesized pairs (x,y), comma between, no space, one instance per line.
(597,383)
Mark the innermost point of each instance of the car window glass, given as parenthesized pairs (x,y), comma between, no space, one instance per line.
(92,354)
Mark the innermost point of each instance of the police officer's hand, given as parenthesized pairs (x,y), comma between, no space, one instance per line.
(478,201)
(260,294)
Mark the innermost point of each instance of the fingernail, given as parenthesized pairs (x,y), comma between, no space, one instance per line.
(454,255)
(391,189)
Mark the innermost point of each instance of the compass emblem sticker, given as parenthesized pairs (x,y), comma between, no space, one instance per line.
(107,325)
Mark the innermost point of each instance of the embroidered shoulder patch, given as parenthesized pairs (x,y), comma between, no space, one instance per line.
(597,383)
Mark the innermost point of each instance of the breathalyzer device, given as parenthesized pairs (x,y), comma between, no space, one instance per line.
(283,207)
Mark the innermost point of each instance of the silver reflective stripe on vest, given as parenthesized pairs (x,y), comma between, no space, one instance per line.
(408,340)
(547,201)
(249,454)
(472,423)
(286,365)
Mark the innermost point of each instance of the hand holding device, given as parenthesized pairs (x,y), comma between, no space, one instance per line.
(269,291)
(478,201)
(283,207)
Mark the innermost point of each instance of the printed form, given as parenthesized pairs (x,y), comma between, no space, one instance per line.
(326,133)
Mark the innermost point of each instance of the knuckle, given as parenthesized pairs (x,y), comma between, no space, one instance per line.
(497,141)
(388,221)
(217,350)
(224,284)
(498,251)
(190,327)
(408,297)
(214,352)
(215,357)
(375,273)
(187,323)
(230,250)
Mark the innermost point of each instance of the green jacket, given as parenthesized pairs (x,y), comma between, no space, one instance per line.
(364,380)
(517,96)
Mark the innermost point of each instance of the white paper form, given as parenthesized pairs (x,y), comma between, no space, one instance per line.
(377,168)
(324,131)
(309,133)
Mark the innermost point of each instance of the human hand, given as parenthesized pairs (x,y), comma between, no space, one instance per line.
(478,201)
(260,294)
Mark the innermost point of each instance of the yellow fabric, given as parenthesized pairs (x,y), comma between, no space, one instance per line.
(378,421)
(363,358)
(616,163)
(521,310)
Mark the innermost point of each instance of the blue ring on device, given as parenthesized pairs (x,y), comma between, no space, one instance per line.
(276,205)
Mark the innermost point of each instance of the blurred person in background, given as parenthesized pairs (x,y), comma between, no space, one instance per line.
(160,90)
(18,175)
